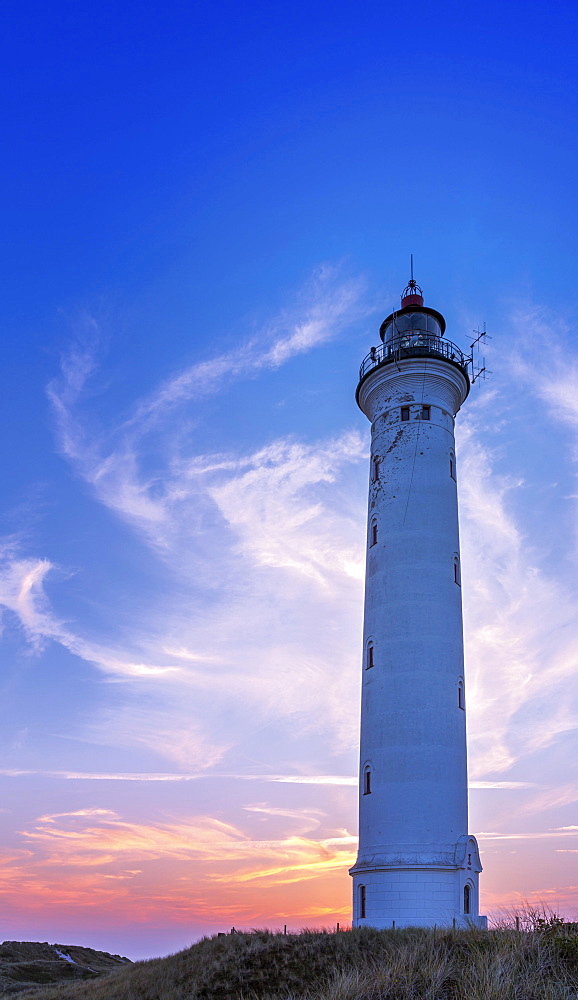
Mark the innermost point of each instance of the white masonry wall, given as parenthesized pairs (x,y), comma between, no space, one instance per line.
(415,856)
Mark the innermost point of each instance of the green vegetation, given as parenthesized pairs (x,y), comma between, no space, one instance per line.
(536,962)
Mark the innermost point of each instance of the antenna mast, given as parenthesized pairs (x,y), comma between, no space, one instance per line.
(478,369)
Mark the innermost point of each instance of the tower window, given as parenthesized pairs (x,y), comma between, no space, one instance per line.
(373,533)
(457,571)
(367,781)
(467,898)
(362,901)
(405,413)
(425,412)
(370,662)
(452,465)
(461,700)
(375,470)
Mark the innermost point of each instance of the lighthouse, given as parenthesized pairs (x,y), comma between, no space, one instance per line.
(417,864)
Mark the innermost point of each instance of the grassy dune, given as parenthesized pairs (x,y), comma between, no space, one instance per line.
(364,964)
(27,964)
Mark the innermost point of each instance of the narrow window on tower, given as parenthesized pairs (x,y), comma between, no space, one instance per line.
(452,465)
(373,533)
(457,571)
(405,413)
(367,781)
(362,901)
(375,470)
(467,898)
(369,661)
(461,701)
(425,412)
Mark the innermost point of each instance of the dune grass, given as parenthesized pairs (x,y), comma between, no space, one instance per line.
(540,963)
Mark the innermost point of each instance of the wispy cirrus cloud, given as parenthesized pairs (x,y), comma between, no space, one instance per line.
(325,306)
(293,779)
(285,541)
(177,886)
(506,785)
(162,507)
(519,617)
(273,528)
(97,836)
(83,840)
(555,379)
(22,592)
(531,835)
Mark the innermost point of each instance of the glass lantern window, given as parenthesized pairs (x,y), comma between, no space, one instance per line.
(418,321)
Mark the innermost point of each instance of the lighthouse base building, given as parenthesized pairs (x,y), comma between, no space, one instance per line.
(417,864)
(419,890)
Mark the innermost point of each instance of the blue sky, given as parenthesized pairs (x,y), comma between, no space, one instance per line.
(207,213)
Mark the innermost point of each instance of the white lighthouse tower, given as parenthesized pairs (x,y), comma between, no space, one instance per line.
(417,864)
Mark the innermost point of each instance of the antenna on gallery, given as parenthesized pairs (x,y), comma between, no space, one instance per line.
(477,363)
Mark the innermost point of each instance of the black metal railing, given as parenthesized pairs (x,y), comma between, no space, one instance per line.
(414,343)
